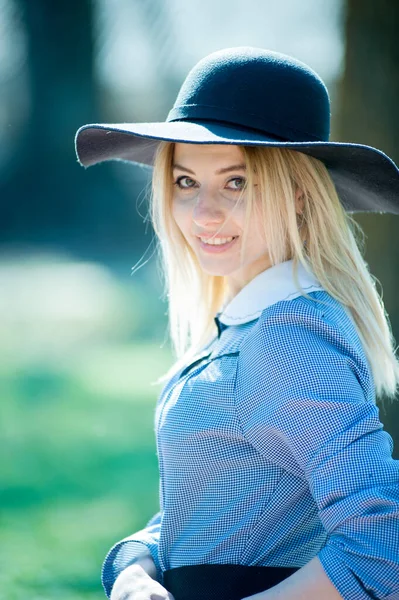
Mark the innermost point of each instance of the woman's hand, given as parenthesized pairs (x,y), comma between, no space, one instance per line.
(134,583)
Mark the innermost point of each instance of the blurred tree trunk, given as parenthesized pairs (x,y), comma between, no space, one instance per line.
(47,198)
(37,188)
(368,113)
(370,86)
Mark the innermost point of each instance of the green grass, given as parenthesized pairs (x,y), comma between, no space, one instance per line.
(79,467)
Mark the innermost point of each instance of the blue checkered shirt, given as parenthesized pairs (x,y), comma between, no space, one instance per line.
(271,450)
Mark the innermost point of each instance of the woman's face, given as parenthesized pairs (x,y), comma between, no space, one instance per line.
(208,180)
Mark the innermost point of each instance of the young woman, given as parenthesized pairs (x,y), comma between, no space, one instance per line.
(276,476)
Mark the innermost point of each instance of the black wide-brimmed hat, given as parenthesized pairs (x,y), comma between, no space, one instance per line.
(254,97)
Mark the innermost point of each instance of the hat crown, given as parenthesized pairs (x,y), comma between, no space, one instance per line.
(257,89)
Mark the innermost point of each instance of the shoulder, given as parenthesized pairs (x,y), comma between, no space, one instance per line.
(319,312)
(291,325)
(305,341)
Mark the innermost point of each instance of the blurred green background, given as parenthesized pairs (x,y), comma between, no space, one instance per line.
(82,320)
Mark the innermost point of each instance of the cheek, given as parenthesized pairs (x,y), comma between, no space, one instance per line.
(253,228)
(256,234)
(182,217)
(259,236)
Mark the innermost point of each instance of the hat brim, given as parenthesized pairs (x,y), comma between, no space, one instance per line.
(366,179)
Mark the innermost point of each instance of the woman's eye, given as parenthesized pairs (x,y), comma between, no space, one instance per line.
(185,183)
(238,183)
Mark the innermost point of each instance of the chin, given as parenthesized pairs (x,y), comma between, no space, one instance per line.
(216,272)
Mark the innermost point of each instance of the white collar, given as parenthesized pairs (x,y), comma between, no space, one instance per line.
(271,286)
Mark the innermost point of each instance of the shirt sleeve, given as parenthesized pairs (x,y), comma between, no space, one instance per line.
(125,552)
(304,395)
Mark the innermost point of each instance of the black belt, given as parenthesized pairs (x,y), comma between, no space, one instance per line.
(222,582)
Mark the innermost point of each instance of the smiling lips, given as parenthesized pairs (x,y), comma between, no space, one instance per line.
(216,241)
(216,245)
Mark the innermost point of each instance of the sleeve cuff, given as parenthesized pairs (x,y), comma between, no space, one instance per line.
(342,577)
(123,554)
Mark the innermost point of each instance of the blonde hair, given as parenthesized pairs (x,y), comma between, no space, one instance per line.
(333,252)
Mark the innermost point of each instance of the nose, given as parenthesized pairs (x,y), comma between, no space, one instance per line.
(207,210)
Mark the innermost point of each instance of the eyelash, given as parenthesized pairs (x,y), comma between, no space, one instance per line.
(179,179)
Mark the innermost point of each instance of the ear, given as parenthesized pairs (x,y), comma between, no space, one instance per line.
(299,201)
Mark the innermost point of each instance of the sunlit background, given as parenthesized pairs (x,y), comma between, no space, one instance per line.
(82,319)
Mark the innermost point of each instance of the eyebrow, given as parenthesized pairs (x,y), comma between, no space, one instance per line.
(240,167)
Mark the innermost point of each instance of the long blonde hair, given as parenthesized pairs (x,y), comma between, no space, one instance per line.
(333,252)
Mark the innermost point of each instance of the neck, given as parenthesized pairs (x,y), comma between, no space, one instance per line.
(240,278)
